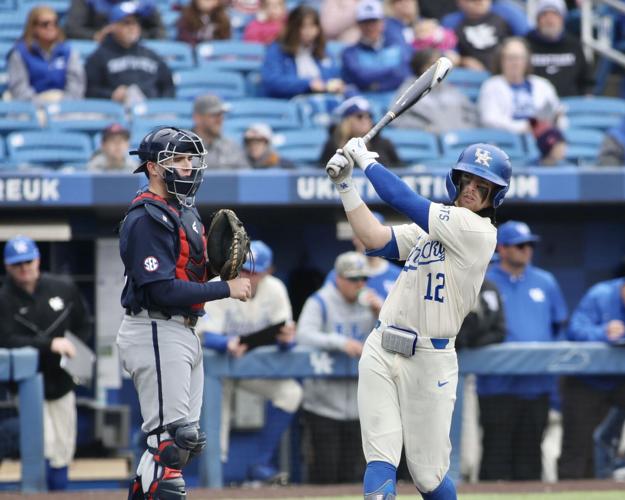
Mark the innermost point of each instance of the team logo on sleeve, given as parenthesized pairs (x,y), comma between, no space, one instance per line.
(150,264)
(483,157)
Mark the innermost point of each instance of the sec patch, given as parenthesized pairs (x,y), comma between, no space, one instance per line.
(150,264)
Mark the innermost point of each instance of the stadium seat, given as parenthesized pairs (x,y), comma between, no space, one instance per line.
(334,49)
(238,21)
(18,115)
(87,115)
(468,81)
(177,55)
(12,25)
(162,109)
(583,145)
(413,146)
(193,82)
(454,141)
(380,100)
(49,148)
(59,6)
(277,113)
(170,20)
(84,47)
(598,113)
(316,109)
(231,55)
(301,146)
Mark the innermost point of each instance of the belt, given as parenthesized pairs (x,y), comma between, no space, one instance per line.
(445,344)
(188,321)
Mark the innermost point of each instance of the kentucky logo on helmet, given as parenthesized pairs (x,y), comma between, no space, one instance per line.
(483,157)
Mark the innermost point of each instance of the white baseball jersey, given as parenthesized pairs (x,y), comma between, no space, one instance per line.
(443,272)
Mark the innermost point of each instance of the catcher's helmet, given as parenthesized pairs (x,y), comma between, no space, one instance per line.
(160,146)
(485,161)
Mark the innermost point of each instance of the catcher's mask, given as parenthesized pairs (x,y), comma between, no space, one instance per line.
(167,146)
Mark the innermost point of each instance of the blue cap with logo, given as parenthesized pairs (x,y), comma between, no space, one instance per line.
(20,249)
(124,9)
(514,232)
(261,259)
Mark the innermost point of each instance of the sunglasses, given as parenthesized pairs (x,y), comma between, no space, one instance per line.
(523,245)
(46,24)
(357,279)
(23,263)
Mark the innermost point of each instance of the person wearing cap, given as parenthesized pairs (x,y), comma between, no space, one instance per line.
(556,55)
(224,328)
(297,63)
(38,308)
(42,66)
(377,62)
(113,153)
(208,120)
(514,410)
(122,68)
(334,319)
(353,118)
(260,154)
(90,19)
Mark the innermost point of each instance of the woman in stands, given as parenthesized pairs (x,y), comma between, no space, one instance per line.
(42,67)
(298,63)
(268,24)
(203,21)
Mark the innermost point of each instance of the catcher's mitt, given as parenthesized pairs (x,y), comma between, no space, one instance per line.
(227,244)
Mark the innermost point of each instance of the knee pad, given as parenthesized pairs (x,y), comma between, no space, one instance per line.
(188,441)
(170,486)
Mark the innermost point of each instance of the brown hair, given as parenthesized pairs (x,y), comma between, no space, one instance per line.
(499,55)
(290,35)
(31,21)
(191,17)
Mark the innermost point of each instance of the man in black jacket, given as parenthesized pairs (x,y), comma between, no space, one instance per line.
(124,70)
(37,310)
(557,56)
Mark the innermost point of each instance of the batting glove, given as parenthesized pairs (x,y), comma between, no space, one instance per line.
(340,170)
(356,151)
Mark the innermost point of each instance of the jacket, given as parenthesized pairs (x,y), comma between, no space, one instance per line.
(486,323)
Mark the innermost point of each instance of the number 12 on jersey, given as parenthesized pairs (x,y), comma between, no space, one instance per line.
(439,286)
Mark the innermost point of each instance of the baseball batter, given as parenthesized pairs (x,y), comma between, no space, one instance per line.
(163,247)
(408,371)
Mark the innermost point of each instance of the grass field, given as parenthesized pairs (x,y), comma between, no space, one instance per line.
(578,495)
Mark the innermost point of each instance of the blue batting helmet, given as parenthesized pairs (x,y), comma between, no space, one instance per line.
(485,161)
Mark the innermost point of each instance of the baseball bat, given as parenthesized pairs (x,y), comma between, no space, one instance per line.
(413,94)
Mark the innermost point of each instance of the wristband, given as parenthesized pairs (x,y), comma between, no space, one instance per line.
(351,199)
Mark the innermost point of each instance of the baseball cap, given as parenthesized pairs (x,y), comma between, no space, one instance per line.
(548,139)
(514,232)
(369,10)
(352,106)
(258,131)
(20,249)
(554,5)
(115,129)
(352,265)
(209,104)
(124,9)
(261,259)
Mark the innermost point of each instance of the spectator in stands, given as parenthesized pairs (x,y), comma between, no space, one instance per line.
(257,140)
(113,153)
(446,107)
(42,66)
(514,409)
(90,19)
(203,21)
(480,27)
(338,20)
(298,62)
(599,317)
(333,319)
(402,18)
(123,69)
(225,328)
(612,151)
(513,97)
(436,10)
(39,309)
(552,147)
(208,120)
(353,118)
(556,55)
(269,22)
(376,63)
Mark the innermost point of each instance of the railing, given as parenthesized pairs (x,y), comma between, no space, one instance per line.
(592,21)
(556,358)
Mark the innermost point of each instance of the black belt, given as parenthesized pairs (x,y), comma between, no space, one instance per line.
(189,321)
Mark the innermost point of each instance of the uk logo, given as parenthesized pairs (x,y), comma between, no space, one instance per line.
(483,157)
(150,264)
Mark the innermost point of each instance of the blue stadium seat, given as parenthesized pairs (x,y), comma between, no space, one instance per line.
(277,113)
(193,82)
(238,21)
(18,115)
(316,109)
(231,55)
(87,115)
(7,5)
(59,6)
(84,47)
(381,100)
(162,109)
(454,141)
(301,146)
(49,148)
(334,49)
(177,55)
(413,146)
(12,25)
(3,152)
(468,81)
(582,145)
(170,20)
(599,113)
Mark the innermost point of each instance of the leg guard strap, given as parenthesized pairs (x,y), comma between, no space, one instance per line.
(170,486)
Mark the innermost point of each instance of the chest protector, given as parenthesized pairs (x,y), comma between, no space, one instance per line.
(186,223)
